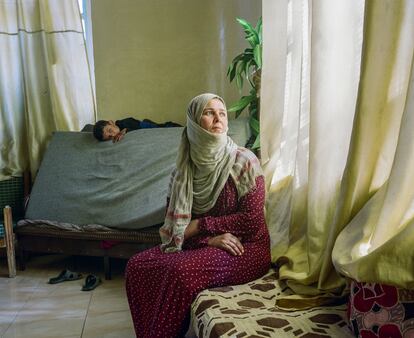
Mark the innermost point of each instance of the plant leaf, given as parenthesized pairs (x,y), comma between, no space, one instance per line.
(239,82)
(231,72)
(258,29)
(241,104)
(251,34)
(239,74)
(248,28)
(258,55)
(255,125)
(252,110)
(256,144)
(238,58)
(260,35)
(246,68)
(258,24)
(253,39)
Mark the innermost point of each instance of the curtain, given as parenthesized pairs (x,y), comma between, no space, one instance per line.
(44,79)
(377,243)
(335,81)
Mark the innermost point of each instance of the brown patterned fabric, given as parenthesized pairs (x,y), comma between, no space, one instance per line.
(248,311)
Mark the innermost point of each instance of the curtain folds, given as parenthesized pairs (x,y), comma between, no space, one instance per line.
(376,245)
(45,83)
(335,82)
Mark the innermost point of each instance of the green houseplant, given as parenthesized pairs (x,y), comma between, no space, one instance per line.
(247,66)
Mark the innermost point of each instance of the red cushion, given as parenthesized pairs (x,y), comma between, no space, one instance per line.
(379,310)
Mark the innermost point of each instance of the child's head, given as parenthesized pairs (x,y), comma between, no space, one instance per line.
(105,130)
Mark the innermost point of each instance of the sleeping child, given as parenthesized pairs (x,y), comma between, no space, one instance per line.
(115,131)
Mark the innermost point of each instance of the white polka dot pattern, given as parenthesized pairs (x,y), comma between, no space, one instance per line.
(161,287)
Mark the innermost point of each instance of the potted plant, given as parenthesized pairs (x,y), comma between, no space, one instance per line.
(247,66)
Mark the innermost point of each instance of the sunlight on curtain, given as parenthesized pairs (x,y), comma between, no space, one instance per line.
(377,244)
(330,119)
(45,84)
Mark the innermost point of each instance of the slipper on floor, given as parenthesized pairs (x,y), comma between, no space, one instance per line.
(91,282)
(64,276)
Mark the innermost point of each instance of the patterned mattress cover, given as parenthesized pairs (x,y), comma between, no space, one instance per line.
(249,311)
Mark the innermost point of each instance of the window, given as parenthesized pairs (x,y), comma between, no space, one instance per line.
(85,12)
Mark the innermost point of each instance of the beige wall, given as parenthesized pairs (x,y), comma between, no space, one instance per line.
(153,56)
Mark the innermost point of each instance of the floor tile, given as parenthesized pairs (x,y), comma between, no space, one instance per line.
(6,320)
(116,324)
(71,327)
(103,302)
(30,307)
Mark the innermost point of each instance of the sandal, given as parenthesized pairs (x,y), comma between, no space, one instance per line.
(91,282)
(65,275)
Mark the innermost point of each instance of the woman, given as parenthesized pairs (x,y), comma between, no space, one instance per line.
(214,232)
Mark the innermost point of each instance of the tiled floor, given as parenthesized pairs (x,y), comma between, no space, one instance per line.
(30,307)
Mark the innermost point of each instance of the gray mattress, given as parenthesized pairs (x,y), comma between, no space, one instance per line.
(123,186)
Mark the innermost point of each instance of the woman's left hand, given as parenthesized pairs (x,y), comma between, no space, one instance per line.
(192,229)
(227,242)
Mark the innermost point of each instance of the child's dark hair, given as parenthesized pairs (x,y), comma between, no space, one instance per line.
(98,129)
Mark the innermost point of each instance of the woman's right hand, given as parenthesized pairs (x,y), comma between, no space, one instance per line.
(227,242)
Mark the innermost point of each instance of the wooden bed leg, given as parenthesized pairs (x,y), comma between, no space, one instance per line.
(9,236)
(107,266)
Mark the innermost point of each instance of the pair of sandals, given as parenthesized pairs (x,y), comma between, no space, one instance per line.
(91,281)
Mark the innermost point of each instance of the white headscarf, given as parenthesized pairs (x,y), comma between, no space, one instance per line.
(204,162)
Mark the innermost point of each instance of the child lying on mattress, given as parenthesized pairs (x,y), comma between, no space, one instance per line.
(115,131)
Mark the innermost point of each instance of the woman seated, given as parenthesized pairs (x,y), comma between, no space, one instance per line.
(214,232)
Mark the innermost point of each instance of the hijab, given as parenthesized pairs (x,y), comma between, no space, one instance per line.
(204,163)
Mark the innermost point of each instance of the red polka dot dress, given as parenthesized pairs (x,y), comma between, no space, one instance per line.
(161,286)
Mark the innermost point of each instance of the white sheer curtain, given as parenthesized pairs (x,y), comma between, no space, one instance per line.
(334,86)
(44,79)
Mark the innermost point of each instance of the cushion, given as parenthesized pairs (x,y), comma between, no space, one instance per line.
(249,311)
(380,310)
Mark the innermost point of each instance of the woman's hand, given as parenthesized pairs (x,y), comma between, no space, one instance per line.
(227,242)
(192,229)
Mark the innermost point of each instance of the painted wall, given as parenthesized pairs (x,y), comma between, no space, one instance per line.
(153,56)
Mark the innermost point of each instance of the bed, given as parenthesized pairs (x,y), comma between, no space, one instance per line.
(102,199)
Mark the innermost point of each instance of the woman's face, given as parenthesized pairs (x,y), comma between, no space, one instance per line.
(214,117)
